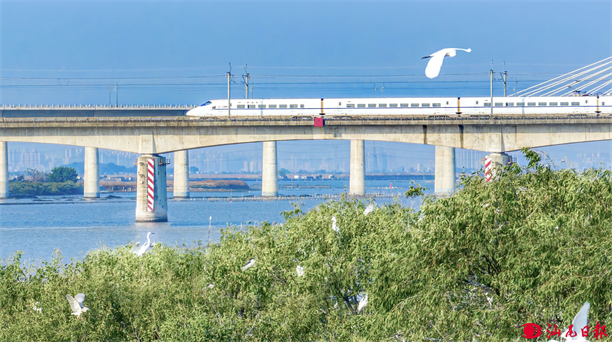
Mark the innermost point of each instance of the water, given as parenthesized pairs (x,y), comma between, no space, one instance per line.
(75,225)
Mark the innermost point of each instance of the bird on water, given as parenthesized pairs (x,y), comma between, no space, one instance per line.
(437,58)
(76,304)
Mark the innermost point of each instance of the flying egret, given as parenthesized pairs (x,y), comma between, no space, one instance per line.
(144,247)
(76,304)
(300,270)
(437,58)
(362,303)
(249,264)
(334,225)
(368,210)
(135,248)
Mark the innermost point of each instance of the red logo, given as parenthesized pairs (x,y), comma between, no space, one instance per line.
(531,330)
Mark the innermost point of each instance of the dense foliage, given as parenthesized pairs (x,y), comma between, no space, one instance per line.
(27,188)
(532,246)
(63,174)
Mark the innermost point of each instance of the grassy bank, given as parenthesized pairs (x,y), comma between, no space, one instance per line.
(531,247)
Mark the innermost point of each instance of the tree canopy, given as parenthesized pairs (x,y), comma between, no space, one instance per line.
(530,247)
(62,174)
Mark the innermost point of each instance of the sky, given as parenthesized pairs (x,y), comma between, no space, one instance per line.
(177,52)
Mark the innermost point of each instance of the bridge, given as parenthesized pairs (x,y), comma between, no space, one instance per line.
(150,136)
(151,130)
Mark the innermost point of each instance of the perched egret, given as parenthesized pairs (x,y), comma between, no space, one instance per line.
(334,225)
(76,304)
(437,58)
(368,210)
(135,248)
(36,308)
(249,264)
(300,270)
(579,322)
(144,247)
(211,285)
(362,303)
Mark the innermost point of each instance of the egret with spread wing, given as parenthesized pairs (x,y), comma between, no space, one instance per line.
(437,58)
(76,304)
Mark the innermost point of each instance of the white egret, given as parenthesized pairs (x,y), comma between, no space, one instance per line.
(437,58)
(144,247)
(76,304)
(334,225)
(300,270)
(36,308)
(249,264)
(579,322)
(362,303)
(211,285)
(135,248)
(368,210)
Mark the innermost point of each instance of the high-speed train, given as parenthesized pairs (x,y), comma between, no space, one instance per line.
(405,106)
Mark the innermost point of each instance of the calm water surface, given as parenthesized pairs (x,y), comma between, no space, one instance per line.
(76,226)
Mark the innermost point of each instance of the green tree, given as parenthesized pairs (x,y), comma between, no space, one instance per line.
(62,174)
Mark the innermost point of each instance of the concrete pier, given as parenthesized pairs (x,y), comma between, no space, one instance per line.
(91,181)
(445,171)
(269,177)
(4,182)
(357,176)
(498,160)
(151,192)
(181,174)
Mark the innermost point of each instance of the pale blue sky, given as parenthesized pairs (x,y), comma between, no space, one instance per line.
(171,52)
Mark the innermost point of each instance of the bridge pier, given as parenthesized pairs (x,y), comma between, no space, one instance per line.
(497,160)
(4,182)
(445,171)
(357,176)
(151,192)
(269,173)
(181,174)
(91,182)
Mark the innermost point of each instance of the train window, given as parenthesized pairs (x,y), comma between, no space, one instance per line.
(350,105)
(531,104)
(382,105)
(552,103)
(252,106)
(541,103)
(272,106)
(339,104)
(499,104)
(436,105)
(301,106)
(394,105)
(282,106)
(240,106)
(446,102)
(510,104)
(414,105)
(361,105)
(403,105)
(293,106)
(575,103)
(262,106)
(371,105)
(603,103)
(520,104)
(565,103)
(476,102)
(424,104)
(486,104)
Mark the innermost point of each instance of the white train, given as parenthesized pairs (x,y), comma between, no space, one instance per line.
(405,106)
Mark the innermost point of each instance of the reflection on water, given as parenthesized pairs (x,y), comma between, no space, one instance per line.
(75,225)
